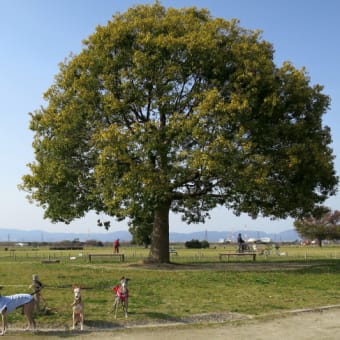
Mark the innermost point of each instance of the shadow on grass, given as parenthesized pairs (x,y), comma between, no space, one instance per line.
(90,326)
(62,334)
(102,324)
(160,317)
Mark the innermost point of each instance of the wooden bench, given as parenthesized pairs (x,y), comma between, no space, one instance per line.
(121,256)
(237,254)
(50,261)
(173,251)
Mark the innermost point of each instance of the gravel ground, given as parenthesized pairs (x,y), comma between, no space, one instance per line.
(321,324)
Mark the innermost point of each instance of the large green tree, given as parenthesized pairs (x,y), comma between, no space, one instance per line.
(140,227)
(320,224)
(173,110)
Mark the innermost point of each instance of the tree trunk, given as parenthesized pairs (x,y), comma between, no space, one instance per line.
(159,252)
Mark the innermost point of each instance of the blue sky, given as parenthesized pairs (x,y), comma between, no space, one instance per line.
(36,35)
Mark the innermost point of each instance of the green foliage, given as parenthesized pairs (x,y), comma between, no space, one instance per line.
(171,109)
(196,244)
(141,227)
(205,244)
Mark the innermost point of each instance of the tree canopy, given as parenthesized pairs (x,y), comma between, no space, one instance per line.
(321,224)
(170,109)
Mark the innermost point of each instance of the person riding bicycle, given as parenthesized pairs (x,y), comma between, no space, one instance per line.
(241,243)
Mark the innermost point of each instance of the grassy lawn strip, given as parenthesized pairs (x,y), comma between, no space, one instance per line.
(174,292)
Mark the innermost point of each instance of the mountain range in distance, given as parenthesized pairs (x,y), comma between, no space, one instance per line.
(17,235)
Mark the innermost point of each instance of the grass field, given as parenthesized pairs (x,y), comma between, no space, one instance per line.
(196,283)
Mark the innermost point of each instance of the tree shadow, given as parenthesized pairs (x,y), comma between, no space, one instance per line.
(161,317)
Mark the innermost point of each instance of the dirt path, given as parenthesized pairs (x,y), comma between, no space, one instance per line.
(323,323)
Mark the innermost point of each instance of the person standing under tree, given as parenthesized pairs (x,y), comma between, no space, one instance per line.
(116,246)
